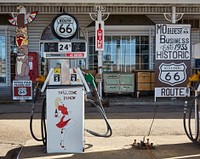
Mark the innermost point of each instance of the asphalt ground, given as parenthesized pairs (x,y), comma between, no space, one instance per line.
(130,119)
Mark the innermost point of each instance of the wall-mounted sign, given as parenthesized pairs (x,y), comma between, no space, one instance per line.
(22,90)
(65,49)
(172,60)
(64,26)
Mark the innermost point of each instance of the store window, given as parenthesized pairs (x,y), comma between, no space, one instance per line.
(121,53)
(2,59)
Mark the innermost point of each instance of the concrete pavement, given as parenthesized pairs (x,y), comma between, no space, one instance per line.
(130,119)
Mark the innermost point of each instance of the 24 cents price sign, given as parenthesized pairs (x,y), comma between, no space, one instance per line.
(172,60)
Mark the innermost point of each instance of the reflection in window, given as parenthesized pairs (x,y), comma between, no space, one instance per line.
(2,60)
(122,53)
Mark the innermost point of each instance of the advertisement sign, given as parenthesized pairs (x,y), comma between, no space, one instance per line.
(65,119)
(22,90)
(172,60)
(99,36)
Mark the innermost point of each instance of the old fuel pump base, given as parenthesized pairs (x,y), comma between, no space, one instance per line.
(143,145)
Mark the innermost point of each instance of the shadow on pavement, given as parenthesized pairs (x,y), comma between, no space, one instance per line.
(12,154)
(171,151)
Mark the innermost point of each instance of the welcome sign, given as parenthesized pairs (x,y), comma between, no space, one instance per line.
(172,60)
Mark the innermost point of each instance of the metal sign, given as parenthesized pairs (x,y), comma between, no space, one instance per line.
(172,60)
(172,73)
(64,26)
(22,90)
(67,50)
(65,116)
(99,35)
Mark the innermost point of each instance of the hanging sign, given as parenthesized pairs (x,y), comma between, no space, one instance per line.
(99,36)
(64,26)
(172,60)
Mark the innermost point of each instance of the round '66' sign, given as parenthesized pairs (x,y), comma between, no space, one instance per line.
(64,26)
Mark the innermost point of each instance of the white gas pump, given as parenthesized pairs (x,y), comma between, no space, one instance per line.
(64,97)
(66,89)
(64,114)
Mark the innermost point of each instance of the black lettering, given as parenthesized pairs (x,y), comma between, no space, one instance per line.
(162,92)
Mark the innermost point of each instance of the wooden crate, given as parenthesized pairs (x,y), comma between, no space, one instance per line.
(144,87)
(143,77)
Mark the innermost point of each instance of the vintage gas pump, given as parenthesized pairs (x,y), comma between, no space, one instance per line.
(191,108)
(64,88)
(66,91)
(64,112)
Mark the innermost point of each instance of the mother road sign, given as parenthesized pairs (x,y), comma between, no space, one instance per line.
(172,73)
(172,60)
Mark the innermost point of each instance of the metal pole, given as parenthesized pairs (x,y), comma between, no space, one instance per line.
(173,17)
(100,63)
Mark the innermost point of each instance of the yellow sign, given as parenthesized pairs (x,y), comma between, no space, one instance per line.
(56,70)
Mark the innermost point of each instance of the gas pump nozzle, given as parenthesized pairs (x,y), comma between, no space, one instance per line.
(47,80)
(90,79)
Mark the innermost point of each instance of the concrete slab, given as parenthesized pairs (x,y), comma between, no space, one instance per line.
(120,147)
(129,119)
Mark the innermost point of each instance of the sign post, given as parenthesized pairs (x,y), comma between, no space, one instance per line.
(172,60)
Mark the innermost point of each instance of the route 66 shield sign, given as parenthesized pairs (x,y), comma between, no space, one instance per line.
(22,91)
(172,73)
(64,26)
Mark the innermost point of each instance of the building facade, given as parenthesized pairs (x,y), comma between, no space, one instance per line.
(129,43)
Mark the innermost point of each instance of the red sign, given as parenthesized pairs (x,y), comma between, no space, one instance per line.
(22,90)
(75,55)
(99,36)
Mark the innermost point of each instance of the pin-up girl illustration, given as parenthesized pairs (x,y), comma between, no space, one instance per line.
(65,121)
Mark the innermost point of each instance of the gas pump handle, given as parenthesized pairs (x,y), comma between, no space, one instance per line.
(47,80)
(83,79)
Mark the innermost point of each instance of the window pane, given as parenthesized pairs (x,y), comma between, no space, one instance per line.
(122,53)
(2,60)
(144,40)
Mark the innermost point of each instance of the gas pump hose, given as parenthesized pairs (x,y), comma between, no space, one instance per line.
(108,133)
(43,114)
(43,123)
(188,130)
(96,100)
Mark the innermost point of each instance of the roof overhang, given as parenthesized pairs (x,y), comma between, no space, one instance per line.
(105,1)
(111,6)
